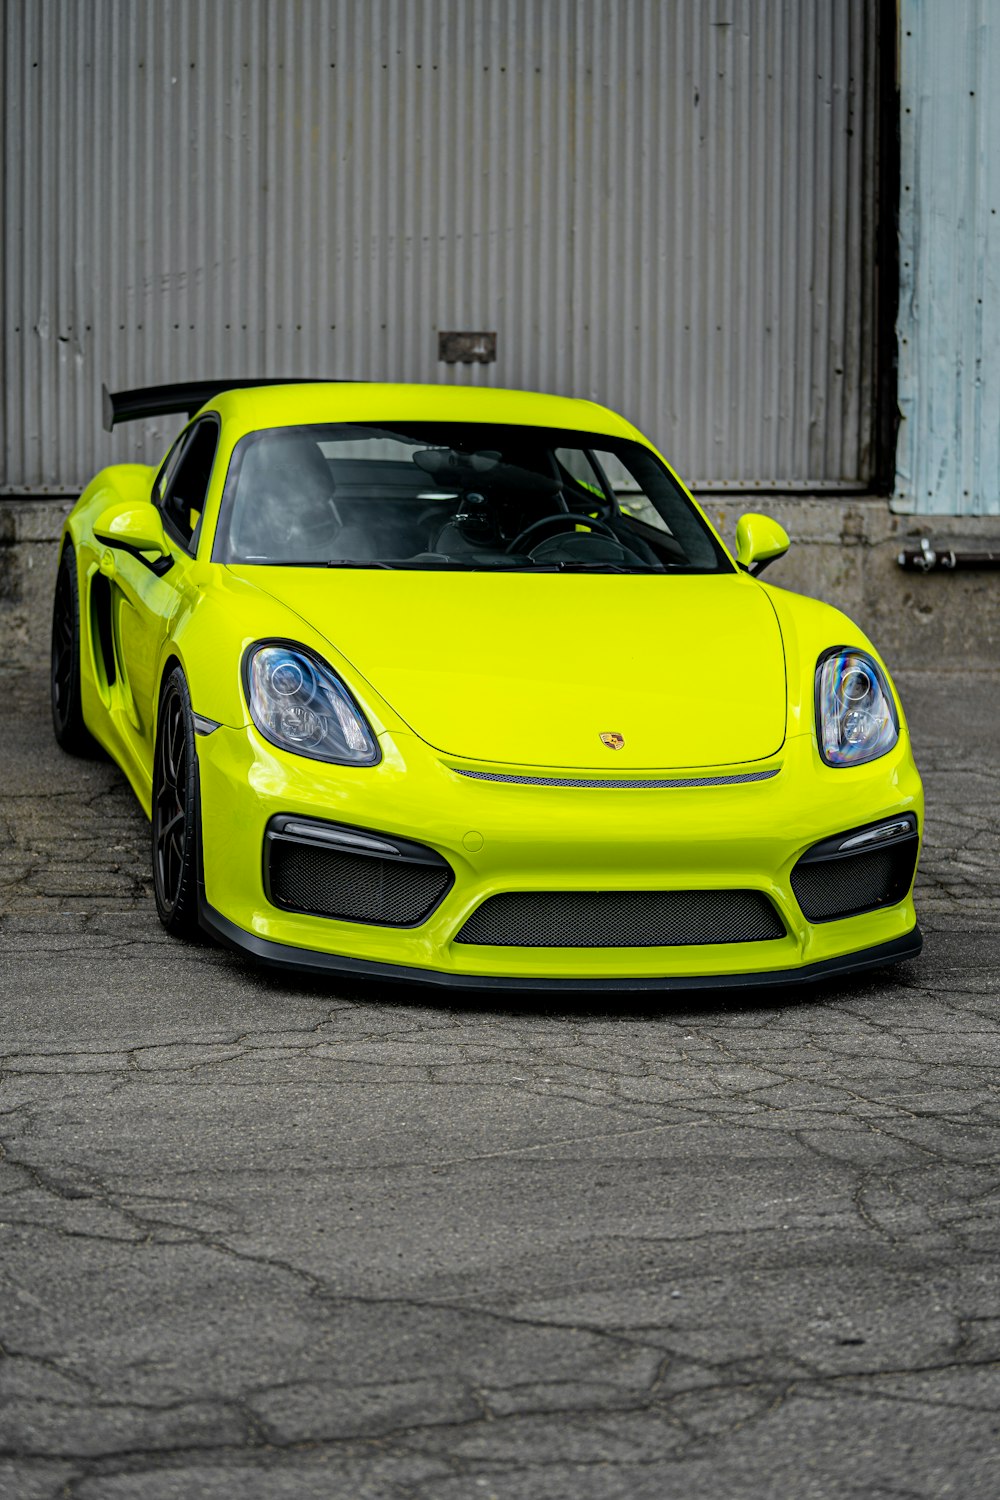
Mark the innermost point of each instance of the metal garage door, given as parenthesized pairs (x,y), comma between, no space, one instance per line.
(666,205)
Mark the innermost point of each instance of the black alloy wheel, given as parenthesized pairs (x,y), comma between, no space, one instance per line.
(67,711)
(176,811)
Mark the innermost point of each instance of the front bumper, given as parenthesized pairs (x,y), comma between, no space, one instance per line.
(501,837)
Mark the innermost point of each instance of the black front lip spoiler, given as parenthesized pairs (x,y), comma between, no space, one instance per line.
(317,965)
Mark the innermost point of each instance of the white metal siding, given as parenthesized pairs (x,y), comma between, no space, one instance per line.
(665,205)
(948,456)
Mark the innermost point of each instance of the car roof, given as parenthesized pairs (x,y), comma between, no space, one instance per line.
(370,401)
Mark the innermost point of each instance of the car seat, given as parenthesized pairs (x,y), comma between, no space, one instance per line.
(284,508)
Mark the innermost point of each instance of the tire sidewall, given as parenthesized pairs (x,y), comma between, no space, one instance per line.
(67,717)
(179,917)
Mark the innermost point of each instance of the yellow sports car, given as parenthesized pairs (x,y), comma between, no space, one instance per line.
(461,686)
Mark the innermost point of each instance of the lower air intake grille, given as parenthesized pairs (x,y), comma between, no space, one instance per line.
(329,882)
(622,919)
(831,888)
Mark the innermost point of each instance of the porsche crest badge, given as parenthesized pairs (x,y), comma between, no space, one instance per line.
(613,740)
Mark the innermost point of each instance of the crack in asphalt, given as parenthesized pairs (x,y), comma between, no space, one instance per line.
(366,1244)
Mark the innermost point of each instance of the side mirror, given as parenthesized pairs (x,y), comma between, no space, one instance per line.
(138,530)
(759,540)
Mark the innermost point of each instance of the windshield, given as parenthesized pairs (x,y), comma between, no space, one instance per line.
(453,495)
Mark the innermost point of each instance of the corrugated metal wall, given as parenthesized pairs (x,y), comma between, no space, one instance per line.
(948,455)
(666,205)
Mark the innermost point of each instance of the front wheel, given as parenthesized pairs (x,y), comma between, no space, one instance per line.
(176,812)
(67,711)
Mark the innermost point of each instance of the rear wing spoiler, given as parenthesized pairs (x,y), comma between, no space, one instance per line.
(187,398)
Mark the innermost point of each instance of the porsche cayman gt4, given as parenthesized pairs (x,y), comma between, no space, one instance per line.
(461,686)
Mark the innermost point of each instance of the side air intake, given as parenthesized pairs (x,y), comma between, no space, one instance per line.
(329,870)
(858,871)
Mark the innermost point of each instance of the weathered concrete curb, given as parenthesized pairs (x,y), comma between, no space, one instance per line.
(843,551)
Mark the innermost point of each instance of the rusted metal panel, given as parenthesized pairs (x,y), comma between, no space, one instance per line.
(665,207)
(948,454)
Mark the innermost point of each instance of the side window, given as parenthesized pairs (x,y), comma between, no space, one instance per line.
(182,484)
(167,470)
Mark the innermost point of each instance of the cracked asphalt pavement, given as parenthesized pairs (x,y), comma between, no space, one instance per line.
(262,1238)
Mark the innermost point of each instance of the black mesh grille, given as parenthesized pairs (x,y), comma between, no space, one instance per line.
(855,883)
(622,919)
(628,784)
(328,882)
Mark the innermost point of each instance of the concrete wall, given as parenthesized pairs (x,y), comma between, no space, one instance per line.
(843,551)
(29,532)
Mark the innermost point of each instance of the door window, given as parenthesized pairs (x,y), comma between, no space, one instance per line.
(183,481)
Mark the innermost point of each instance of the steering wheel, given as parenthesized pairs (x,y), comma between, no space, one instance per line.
(562,517)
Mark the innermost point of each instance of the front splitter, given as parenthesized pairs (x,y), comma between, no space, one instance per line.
(307,962)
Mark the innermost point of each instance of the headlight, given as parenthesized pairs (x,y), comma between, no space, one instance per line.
(855,713)
(299,704)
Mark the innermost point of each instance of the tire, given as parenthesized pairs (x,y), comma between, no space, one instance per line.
(176,819)
(67,711)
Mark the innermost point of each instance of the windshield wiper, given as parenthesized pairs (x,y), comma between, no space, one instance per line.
(411,564)
(440,564)
(599,567)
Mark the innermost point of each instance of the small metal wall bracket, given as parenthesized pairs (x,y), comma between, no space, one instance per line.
(467,348)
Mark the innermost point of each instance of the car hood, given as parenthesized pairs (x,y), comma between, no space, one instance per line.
(531,670)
